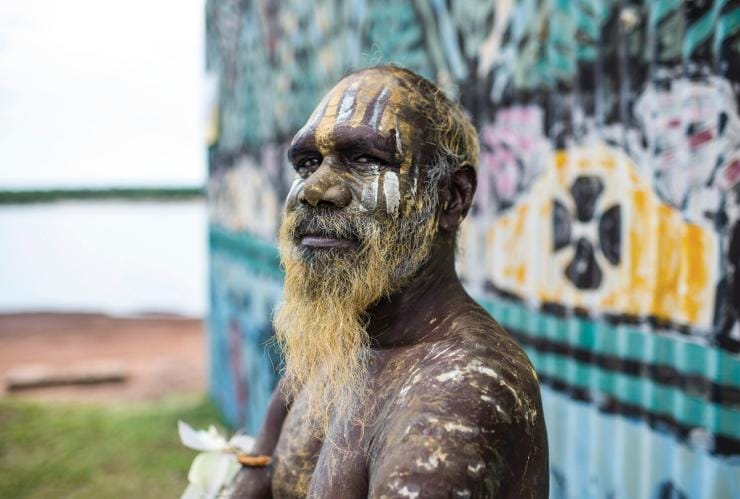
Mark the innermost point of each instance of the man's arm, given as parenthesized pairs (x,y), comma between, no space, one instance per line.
(477,434)
(256,482)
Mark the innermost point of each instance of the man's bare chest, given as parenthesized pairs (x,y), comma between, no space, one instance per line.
(335,465)
(339,464)
(308,466)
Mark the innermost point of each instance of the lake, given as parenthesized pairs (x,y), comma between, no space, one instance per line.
(117,257)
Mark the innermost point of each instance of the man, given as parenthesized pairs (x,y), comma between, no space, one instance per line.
(397,384)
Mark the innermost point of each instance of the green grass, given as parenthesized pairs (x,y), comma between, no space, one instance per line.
(73,451)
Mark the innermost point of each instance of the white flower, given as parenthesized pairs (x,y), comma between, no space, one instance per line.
(212,441)
(242,443)
(214,469)
(202,440)
(209,474)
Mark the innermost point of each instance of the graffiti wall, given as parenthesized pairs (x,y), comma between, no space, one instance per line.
(607,218)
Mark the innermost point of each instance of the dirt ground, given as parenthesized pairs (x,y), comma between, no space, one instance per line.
(157,356)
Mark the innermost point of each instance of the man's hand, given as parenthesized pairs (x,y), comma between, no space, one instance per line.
(256,482)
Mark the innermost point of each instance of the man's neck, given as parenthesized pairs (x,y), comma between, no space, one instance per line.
(410,315)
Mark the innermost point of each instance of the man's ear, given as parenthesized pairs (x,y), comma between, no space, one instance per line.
(456,197)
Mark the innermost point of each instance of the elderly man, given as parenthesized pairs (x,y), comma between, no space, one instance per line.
(396,384)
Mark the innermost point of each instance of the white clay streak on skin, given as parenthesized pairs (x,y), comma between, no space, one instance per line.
(294,187)
(370,194)
(449,427)
(378,108)
(433,461)
(392,194)
(346,108)
(476,469)
(454,374)
(486,398)
(399,143)
(405,492)
(457,375)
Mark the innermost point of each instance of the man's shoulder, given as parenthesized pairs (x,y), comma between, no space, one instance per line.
(459,374)
(467,410)
(476,349)
(476,372)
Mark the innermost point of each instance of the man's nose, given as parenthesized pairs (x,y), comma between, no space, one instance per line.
(325,187)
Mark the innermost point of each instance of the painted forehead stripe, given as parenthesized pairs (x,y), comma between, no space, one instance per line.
(378,108)
(328,119)
(347,104)
(399,141)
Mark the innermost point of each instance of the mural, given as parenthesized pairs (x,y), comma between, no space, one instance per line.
(607,219)
(245,285)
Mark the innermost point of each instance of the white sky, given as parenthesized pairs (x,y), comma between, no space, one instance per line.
(101,93)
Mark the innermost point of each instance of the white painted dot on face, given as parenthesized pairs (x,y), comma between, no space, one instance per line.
(370,194)
(392,193)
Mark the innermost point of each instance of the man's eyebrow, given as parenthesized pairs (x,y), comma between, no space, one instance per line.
(306,143)
(365,139)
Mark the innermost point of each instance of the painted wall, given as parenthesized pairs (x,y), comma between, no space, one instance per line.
(606,219)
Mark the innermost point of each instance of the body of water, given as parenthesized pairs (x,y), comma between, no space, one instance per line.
(104,256)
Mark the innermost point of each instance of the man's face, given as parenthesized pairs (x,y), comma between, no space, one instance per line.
(361,148)
(358,192)
(357,226)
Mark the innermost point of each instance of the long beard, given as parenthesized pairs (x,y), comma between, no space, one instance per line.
(321,324)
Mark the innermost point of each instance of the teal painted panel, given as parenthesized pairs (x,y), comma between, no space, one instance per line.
(645,346)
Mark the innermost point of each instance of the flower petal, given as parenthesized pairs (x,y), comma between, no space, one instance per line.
(200,440)
(212,471)
(243,443)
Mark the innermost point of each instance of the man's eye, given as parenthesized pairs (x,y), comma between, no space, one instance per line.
(307,166)
(366,159)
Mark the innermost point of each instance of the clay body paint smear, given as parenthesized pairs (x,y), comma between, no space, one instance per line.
(392,193)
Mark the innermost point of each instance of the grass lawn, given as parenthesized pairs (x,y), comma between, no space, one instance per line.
(50,450)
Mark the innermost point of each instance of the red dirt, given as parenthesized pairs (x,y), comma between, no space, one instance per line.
(161,356)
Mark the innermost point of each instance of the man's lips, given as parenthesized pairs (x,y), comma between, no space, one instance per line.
(326,242)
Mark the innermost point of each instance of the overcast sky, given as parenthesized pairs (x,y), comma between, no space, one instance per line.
(101,93)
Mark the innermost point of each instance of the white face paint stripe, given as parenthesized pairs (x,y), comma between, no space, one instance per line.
(399,144)
(347,105)
(378,108)
(392,193)
(370,194)
(293,187)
